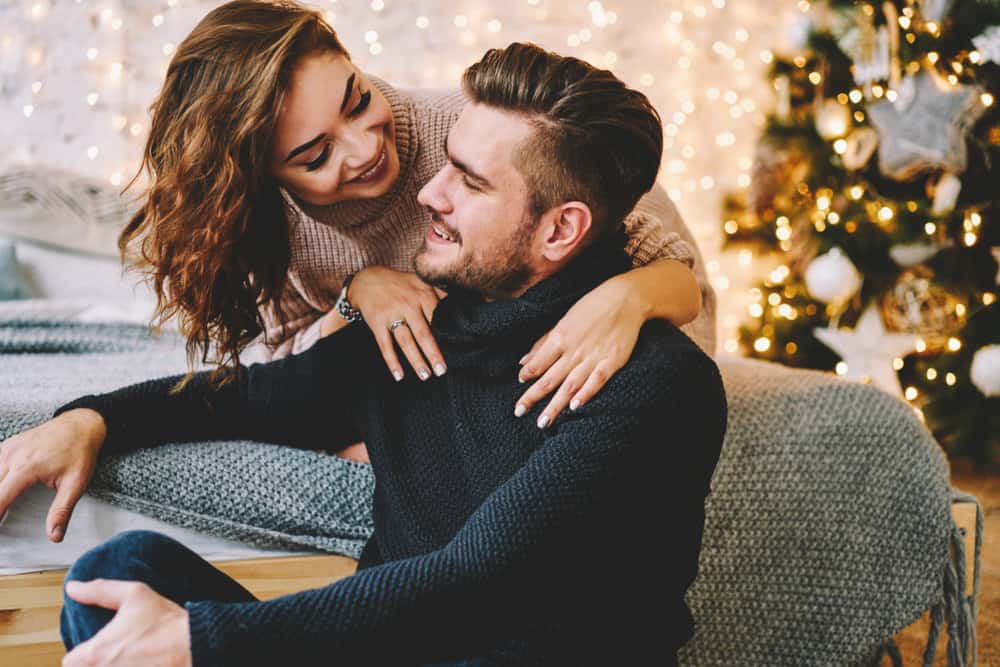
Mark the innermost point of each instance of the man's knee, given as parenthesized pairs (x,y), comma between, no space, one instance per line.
(116,557)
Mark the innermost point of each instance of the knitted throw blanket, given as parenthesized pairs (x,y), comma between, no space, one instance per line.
(258,493)
(827,530)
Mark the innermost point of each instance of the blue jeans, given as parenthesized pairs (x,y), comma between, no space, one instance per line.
(161,562)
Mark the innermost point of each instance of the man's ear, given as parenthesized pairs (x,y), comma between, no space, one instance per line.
(567,226)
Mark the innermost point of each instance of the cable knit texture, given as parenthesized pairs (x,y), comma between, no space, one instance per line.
(484,524)
(329,242)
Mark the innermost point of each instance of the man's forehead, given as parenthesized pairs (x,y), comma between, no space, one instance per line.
(487,136)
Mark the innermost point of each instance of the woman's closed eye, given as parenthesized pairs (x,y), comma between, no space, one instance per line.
(362,105)
(318,162)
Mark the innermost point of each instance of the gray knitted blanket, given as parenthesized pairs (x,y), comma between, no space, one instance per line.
(258,493)
(827,531)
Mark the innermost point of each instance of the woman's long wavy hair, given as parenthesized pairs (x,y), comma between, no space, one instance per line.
(212,233)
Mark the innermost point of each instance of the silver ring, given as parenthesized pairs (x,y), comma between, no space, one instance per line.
(395,324)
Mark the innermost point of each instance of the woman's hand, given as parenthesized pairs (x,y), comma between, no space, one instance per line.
(591,343)
(385,296)
(61,454)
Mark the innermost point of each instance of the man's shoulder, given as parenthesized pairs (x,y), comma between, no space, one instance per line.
(665,361)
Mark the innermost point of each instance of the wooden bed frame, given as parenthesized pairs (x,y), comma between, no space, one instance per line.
(30,603)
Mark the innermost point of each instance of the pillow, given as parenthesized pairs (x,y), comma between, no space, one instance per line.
(62,208)
(12,282)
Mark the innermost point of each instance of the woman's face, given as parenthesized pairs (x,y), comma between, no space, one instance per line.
(335,139)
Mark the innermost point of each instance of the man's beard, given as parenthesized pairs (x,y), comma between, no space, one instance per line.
(498,273)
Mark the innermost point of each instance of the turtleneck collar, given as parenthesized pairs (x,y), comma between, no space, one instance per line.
(493,335)
(360,212)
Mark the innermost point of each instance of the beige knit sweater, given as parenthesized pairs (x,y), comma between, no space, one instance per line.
(329,242)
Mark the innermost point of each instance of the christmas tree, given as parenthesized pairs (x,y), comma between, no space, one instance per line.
(877,179)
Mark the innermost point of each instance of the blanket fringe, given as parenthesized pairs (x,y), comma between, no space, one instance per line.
(955,609)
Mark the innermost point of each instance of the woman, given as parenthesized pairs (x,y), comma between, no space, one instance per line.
(278,169)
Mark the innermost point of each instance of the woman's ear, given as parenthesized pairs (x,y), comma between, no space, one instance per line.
(567,229)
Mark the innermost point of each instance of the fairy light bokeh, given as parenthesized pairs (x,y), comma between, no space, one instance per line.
(77,78)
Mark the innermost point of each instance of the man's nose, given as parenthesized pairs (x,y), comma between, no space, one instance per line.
(432,195)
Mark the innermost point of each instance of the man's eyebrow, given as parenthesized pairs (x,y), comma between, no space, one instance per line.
(464,168)
(306,146)
(347,92)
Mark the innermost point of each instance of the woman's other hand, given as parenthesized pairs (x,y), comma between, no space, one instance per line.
(61,454)
(591,343)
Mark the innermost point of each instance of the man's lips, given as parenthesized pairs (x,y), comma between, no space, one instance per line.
(438,233)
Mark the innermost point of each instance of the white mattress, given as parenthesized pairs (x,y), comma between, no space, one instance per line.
(24,546)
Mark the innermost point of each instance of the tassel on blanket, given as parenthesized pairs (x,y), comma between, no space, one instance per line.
(956,609)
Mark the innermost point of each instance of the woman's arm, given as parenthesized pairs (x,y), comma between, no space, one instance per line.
(597,335)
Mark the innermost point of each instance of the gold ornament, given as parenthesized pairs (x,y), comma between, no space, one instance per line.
(917,305)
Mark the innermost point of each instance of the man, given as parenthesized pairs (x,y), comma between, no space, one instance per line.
(496,542)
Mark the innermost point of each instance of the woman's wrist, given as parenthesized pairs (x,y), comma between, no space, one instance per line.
(629,290)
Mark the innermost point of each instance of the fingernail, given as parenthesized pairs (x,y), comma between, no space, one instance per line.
(398,375)
(440,369)
(543,421)
(520,379)
(57,532)
(519,411)
(424,373)
(521,362)
(574,404)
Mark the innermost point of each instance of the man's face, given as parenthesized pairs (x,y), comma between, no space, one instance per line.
(481,233)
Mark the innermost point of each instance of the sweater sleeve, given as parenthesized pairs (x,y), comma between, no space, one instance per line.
(653,228)
(296,336)
(534,529)
(297,401)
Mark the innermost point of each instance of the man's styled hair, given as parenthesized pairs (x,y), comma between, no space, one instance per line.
(596,141)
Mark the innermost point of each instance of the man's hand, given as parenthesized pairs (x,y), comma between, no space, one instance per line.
(147,630)
(61,454)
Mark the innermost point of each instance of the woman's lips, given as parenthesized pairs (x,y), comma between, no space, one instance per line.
(376,172)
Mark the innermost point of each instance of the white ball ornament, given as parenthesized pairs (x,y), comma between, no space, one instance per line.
(833,120)
(985,371)
(832,277)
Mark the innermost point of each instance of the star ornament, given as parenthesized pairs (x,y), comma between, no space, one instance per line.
(925,127)
(869,350)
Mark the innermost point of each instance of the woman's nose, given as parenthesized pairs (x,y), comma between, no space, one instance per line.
(361,147)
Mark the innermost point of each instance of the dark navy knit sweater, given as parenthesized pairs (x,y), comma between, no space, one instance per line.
(495,542)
